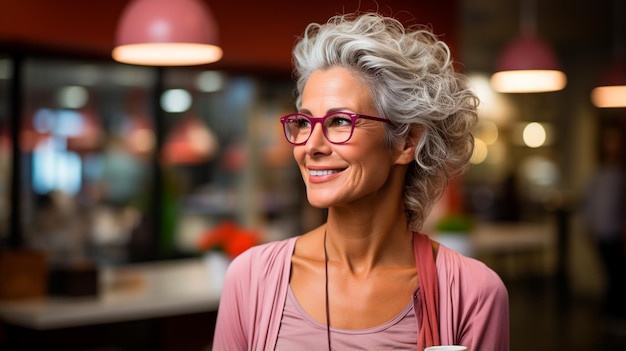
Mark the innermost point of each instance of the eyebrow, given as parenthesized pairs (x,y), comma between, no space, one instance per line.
(335,109)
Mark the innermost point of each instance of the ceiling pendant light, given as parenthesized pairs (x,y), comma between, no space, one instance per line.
(528,64)
(611,89)
(166,33)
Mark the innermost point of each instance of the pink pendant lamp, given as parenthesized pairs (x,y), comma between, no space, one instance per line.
(528,64)
(166,33)
(611,89)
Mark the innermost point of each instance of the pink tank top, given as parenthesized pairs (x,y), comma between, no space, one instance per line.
(299,331)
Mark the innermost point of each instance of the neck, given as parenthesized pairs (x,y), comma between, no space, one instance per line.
(373,230)
(362,245)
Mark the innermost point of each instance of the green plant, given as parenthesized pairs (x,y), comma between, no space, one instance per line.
(455,223)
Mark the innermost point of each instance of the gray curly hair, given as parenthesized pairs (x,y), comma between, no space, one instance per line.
(413,83)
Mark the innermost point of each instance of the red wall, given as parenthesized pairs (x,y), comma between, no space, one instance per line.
(254,34)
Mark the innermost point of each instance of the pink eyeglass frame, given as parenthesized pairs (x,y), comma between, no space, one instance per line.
(320,120)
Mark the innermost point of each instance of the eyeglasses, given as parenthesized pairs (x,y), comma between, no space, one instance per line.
(337,127)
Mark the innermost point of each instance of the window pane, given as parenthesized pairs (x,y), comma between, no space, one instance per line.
(86,171)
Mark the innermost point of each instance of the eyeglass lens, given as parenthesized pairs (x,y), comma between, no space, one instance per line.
(336,127)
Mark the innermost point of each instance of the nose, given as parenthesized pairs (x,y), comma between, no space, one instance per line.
(317,141)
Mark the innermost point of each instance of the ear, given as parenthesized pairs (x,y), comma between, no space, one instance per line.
(405,153)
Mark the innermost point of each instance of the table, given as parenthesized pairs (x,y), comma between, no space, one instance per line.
(516,250)
(128,295)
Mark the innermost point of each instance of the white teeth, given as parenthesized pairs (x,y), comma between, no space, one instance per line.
(319,173)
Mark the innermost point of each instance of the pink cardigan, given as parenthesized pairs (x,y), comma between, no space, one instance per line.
(473,301)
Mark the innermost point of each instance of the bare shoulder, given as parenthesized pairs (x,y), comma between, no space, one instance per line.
(309,245)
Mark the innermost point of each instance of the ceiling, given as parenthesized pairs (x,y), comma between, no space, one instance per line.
(571,27)
(260,34)
(255,35)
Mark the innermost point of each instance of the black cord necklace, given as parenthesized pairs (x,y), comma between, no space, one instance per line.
(326,291)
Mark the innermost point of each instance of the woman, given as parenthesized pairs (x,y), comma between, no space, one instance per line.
(392,125)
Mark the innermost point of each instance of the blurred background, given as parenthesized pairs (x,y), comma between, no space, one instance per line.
(110,170)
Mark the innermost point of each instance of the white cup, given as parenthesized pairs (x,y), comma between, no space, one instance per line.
(446,348)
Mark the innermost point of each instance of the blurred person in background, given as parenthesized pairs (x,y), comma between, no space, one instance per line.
(383,124)
(603,212)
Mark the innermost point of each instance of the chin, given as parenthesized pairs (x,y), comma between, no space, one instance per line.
(317,202)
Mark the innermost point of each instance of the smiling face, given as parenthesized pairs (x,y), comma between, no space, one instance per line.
(337,175)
